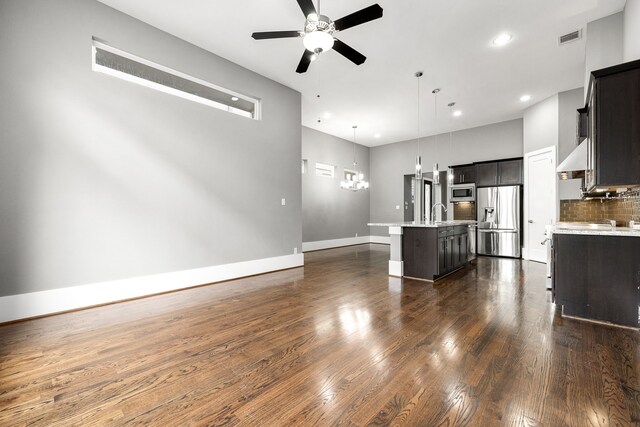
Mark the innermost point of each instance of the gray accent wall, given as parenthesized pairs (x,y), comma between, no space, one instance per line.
(632,30)
(604,44)
(102,179)
(329,212)
(568,104)
(389,163)
(541,127)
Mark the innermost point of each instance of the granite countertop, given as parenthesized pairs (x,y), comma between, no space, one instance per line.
(586,230)
(436,224)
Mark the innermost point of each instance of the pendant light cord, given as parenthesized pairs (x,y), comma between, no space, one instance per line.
(435,115)
(419,115)
(355,163)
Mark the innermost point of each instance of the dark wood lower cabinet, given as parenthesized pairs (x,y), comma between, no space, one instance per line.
(430,253)
(597,277)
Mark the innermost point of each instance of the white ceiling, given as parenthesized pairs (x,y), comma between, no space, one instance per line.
(450,40)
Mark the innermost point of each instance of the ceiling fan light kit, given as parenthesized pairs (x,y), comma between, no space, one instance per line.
(319,30)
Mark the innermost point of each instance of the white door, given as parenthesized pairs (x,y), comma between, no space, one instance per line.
(427,201)
(540,200)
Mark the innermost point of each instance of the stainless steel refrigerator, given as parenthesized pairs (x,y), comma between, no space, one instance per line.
(499,228)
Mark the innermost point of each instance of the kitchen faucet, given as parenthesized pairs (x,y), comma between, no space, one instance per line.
(435,206)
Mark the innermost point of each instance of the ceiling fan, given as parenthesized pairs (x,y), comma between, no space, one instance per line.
(319,30)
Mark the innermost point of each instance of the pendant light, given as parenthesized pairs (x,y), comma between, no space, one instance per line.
(354,181)
(419,74)
(436,171)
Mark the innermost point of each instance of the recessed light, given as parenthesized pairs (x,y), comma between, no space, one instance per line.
(234,98)
(457,113)
(502,39)
(377,135)
(525,98)
(327,115)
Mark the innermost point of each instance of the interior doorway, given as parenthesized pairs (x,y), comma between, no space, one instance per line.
(540,201)
(426,201)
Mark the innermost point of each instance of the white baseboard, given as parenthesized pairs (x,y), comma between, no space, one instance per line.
(35,304)
(385,240)
(337,243)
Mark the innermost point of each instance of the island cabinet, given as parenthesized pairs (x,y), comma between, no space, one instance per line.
(433,252)
(597,277)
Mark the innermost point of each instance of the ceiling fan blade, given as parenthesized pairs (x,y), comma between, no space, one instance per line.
(360,17)
(305,61)
(307,7)
(348,52)
(275,35)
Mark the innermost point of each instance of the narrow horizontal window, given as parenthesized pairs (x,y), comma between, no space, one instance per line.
(324,170)
(114,62)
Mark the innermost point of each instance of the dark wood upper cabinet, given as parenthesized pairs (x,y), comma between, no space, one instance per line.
(618,128)
(510,172)
(614,133)
(464,174)
(487,174)
(490,174)
(582,125)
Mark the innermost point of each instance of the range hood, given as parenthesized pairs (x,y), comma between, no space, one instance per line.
(575,164)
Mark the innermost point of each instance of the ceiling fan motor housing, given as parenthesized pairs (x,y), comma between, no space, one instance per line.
(318,32)
(319,23)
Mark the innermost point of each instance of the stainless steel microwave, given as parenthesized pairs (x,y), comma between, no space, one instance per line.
(462,193)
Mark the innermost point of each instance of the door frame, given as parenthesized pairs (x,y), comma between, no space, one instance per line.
(554,190)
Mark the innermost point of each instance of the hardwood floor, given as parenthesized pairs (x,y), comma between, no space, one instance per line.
(337,342)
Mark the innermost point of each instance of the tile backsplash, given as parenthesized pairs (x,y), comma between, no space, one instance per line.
(464,211)
(620,210)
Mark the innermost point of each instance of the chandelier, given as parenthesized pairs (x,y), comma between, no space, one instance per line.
(354,180)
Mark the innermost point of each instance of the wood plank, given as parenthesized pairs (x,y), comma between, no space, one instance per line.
(337,342)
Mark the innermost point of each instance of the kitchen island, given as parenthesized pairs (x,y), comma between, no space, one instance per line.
(429,250)
(596,273)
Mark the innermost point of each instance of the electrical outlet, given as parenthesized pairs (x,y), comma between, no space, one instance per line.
(295,251)
(356,234)
(284,202)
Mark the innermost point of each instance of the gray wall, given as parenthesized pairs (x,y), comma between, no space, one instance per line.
(101,179)
(541,125)
(329,212)
(568,103)
(389,163)
(632,30)
(604,45)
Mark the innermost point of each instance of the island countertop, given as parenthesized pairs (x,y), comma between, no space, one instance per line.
(590,231)
(413,224)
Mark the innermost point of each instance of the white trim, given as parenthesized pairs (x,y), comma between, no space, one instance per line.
(395,230)
(334,243)
(348,241)
(384,240)
(396,268)
(34,304)
(554,154)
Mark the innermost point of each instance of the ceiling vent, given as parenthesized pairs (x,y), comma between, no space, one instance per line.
(570,37)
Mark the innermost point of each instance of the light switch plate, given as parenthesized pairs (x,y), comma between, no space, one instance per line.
(397,207)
